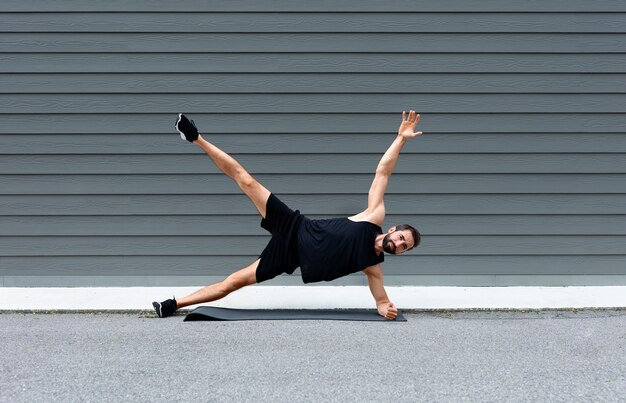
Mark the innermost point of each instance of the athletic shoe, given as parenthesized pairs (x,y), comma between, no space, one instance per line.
(165,308)
(187,128)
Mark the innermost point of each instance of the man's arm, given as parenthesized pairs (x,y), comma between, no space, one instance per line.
(385,307)
(375,200)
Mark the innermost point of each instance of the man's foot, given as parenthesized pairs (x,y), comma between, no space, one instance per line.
(165,308)
(187,128)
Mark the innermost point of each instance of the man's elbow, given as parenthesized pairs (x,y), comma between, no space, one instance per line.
(374,278)
(383,170)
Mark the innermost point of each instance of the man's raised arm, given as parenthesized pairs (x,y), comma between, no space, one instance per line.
(375,199)
(390,158)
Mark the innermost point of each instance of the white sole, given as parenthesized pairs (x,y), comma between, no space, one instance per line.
(182,135)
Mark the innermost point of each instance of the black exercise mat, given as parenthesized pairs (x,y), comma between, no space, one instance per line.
(214,313)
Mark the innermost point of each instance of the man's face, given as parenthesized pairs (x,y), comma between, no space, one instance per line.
(397,242)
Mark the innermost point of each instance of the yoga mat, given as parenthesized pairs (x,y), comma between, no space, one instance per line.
(214,313)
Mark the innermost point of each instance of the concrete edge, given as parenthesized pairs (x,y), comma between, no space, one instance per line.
(139,299)
(185,311)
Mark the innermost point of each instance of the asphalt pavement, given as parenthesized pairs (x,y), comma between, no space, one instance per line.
(482,356)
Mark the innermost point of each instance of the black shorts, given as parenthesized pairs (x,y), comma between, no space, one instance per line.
(281,253)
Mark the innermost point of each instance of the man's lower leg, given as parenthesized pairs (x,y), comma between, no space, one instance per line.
(227,164)
(223,161)
(213,292)
(209,293)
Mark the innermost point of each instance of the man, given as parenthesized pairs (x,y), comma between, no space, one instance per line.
(323,249)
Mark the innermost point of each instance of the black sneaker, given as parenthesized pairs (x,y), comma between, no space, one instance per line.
(187,128)
(165,308)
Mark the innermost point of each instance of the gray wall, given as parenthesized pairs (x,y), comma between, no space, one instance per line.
(519,178)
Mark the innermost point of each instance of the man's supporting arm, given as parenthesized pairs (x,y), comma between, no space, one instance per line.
(375,279)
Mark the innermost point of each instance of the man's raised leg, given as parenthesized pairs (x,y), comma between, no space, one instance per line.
(256,192)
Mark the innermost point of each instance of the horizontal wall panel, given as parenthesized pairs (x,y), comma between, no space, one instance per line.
(206,22)
(313,103)
(318,163)
(313,204)
(306,83)
(308,6)
(249,224)
(312,63)
(393,265)
(105,42)
(128,184)
(249,245)
(345,123)
(314,143)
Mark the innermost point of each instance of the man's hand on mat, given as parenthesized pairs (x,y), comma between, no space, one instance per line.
(408,125)
(388,310)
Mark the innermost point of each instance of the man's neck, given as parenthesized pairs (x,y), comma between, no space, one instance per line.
(378,244)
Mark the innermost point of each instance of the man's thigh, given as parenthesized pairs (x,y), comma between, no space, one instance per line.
(257,193)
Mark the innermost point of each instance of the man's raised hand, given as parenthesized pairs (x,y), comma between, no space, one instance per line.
(407,127)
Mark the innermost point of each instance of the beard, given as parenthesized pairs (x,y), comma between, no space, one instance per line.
(388,246)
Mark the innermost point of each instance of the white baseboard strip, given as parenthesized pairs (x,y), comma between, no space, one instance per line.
(319,297)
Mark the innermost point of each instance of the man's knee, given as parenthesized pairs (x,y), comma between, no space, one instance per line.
(246,181)
(231,284)
(250,186)
(236,281)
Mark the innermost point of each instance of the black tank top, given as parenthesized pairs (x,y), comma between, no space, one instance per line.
(333,248)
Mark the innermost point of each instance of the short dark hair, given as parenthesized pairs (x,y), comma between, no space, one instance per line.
(416,235)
